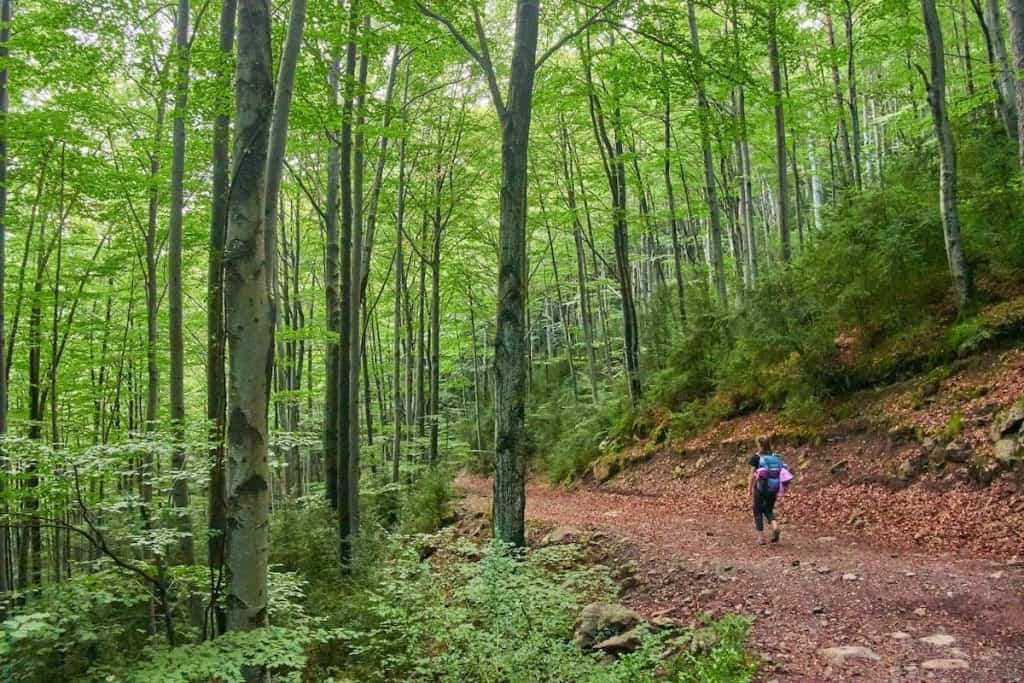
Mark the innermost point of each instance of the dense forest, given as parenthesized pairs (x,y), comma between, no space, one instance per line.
(272,274)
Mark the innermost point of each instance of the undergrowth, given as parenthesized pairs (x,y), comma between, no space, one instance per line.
(865,302)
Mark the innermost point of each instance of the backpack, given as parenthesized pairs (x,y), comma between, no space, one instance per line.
(769,473)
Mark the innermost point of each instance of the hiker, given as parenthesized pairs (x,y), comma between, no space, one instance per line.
(767,481)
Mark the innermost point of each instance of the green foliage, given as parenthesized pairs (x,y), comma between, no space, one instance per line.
(578,439)
(429,503)
(78,628)
(954,427)
(505,616)
(727,661)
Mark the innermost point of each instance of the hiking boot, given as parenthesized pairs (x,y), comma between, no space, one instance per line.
(775,535)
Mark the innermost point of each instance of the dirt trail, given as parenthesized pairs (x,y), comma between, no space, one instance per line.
(810,592)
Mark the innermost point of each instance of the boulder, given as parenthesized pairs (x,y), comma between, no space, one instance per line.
(955,452)
(622,643)
(604,470)
(1009,423)
(840,656)
(560,535)
(601,620)
(1007,452)
(914,466)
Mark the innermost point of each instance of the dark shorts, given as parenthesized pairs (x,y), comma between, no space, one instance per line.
(764,508)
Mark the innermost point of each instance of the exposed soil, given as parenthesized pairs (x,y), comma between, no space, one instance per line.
(818,588)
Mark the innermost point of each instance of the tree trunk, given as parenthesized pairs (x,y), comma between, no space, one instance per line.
(356,296)
(250,333)
(510,338)
(715,235)
(677,247)
(5,35)
(936,87)
(586,316)
(215,351)
(1002,76)
(851,84)
(846,167)
(345,404)
(179,489)
(396,377)
(333,312)
(782,197)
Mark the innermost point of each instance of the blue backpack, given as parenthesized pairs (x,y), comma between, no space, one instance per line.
(770,481)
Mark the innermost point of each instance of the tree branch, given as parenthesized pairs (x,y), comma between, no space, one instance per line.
(572,35)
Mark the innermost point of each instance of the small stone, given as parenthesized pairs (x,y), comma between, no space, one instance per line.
(795,563)
(841,655)
(824,570)
(909,575)
(921,612)
(1014,562)
(818,610)
(939,640)
(825,539)
(945,664)
(850,577)
(899,635)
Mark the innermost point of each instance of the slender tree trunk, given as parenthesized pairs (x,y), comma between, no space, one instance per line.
(216,382)
(179,489)
(612,156)
(936,86)
(356,295)
(851,84)
(677,247)
(1002,76)
(333,312)
(837,92)
(586,317)
(345,405)
(6,15)
(435,329)
(396,378)
(715,235)
(250,333)
(421,347)
(968,67)
(782,196)
(284,87)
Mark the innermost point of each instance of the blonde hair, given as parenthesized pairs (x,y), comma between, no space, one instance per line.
(764,444)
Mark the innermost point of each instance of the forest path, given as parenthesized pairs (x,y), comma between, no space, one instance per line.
(941,618)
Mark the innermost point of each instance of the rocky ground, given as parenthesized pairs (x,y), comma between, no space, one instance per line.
(826,604)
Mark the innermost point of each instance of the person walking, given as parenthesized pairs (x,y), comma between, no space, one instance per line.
(768,476)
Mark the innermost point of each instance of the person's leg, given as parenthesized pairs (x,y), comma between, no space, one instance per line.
(769,513)
(758,517)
